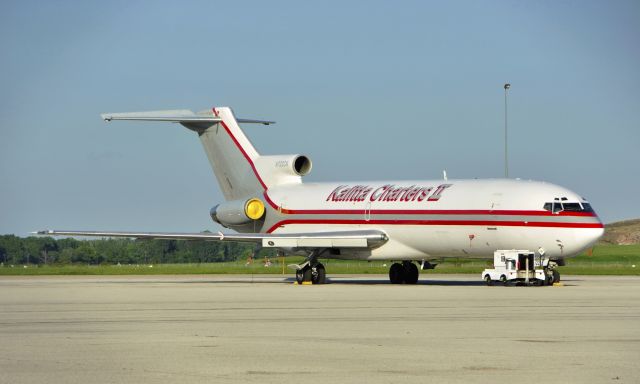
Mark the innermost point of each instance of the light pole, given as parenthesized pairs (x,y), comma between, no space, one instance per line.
(506,153)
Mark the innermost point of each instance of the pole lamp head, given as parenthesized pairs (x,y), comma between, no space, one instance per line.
(507,86)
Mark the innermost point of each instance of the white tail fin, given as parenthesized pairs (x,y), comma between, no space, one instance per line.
(232,156)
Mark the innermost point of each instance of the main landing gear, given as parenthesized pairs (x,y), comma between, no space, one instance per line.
(407,273)
(313,275)
(311,271)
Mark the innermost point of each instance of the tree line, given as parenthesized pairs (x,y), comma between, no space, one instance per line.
(16,250)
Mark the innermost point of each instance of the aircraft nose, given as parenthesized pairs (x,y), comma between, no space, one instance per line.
(590,236)
(597,234)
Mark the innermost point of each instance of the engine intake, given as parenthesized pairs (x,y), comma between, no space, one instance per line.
(302,165)
(283,169)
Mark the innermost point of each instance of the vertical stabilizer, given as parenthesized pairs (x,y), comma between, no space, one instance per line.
(232,156)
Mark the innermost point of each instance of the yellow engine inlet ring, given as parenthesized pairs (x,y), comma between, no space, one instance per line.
(254,209)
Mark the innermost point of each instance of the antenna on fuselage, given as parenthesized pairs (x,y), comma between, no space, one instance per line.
(444,174)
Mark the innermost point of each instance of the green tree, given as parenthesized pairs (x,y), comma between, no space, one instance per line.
(13,248)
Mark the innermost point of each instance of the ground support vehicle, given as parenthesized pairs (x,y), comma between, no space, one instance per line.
(521,267)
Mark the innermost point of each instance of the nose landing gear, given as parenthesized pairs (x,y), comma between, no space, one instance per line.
(552,273)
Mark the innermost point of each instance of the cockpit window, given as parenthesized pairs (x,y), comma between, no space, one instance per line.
(572,207)
(586,207)
(558,206)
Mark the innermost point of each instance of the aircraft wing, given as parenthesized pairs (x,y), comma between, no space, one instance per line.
(365,239)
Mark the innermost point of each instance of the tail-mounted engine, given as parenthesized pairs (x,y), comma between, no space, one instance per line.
(283,169)
(238,212)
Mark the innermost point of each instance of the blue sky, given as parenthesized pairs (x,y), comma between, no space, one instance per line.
(369,90)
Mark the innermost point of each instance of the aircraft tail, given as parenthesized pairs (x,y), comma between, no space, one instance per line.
(231,155)
(240,170)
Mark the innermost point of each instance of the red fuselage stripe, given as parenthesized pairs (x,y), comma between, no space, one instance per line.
(438,222)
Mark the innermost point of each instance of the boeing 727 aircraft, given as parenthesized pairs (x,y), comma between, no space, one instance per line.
(405,221)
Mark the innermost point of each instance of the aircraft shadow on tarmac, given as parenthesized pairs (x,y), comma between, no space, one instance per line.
(347,281)
(334,281)
(437,282)
(260,279)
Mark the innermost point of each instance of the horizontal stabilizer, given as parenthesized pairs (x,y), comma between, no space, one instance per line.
(340,239)
(183,116)
(253,121)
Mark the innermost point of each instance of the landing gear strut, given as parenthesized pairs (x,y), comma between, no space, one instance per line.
(407,273)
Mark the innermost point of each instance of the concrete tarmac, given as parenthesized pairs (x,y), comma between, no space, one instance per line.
(264,329)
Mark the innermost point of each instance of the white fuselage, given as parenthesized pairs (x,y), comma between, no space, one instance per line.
(431,219)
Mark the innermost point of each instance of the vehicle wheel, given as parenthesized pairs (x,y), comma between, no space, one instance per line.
(503,279)
(396,273)
(556,276)
(411,273)
(487,279)
(320,277)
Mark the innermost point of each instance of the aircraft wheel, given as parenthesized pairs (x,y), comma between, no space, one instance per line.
(303,275)
(556,276)
(300,276)
(396,273)
(320,277)
(549,280)
(411,273)
(306,274)
(487,279)
(503,279)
